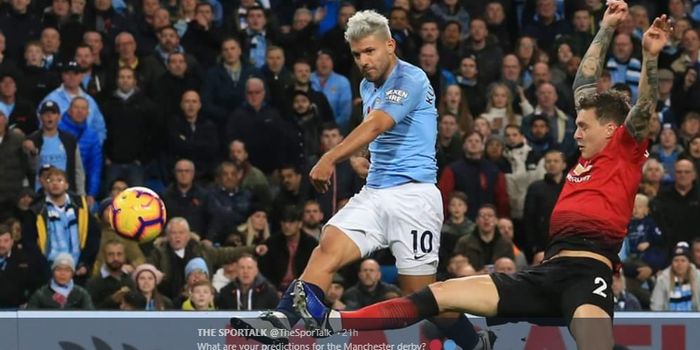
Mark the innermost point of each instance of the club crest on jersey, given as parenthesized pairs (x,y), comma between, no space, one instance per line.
(395,96)
(580,173)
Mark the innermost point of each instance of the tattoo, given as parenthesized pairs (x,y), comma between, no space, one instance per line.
(637,122)
(592,63)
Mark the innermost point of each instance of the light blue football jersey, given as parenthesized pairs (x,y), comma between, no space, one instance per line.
(406,152)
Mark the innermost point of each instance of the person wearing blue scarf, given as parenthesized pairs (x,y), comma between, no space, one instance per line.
(61,292)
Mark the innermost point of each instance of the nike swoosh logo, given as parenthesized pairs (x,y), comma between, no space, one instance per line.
(418,257)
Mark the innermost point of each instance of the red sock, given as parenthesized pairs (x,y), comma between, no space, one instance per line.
(391,314)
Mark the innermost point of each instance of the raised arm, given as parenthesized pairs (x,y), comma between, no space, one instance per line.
(591,66)
(637,122)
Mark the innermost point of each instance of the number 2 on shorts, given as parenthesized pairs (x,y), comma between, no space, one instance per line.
(603,286)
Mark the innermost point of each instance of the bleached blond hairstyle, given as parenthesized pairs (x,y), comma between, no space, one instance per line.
(365,23)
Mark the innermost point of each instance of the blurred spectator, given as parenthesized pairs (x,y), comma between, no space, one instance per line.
(493,151)
(180,246)
(7,65)
(624,301)
(455,102)
(70,89)
(370,289)
(228,205)
(111,278)
(50,41)
(20,273)
(305,134)
(484,48)
(289,251)
(457,223)
(94,80)
(547,24)
(499,25)
(146,279)
(203,37)
(19,26)
(21,112)
(301,75)
(512,73)
(277,77)
(455,263)
(676,207)
(652,175)
(74,123)
(192,136)
(104,19)
(695,249)
(201,297)
(526,51)
(187,199)
(256,230)
(663,105)
(99,51)
(541,74)
(334,40)
(440,79)
(252,178)
(335,293)
(506,228)
(225,274)
(678,286)
(504,265)
(473,89)
(689,128)
(125,46)
(133,130)
(452,10)
(63,224)
(249,290)
(540,199)
(335,86)
(420,11)
(690,43)
(167,90)
(561,125)
(499,108)
(132,250)
(402,33)
(61,292)
(462,175)
(14,168)
(294,191)
(225,83)
(36,82)
(260,127)
(667,151)
(449,147)
(257,36)
(622,66)
(312,219)
(486,244)
(155,65)
(300,41)
(144,21)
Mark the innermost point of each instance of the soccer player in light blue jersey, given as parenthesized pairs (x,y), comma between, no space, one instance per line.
(400,207)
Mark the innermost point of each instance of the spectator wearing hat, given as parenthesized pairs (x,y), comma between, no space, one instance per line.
(260,127)
(74,123)
(51,146)
(196,271)
(14,167)
(61,292)
(64,94)
(111,278)
(253,179)
(256,230)
(289,251)
(170,255)
(336,88)
(146,279)
(306,131)
(187,199)
(61,223)
(249,290)
(667,151)
(36,81)
(21,112)
(676,207)
(225,83)
(334,295)
(678,286)
(228,205)
(20,272)
(134,130)
(132,251)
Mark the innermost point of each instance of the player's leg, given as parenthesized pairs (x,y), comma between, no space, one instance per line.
(592,328)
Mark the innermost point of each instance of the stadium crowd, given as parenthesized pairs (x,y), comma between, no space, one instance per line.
(223,106)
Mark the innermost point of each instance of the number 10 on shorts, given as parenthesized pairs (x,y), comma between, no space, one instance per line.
(424,242)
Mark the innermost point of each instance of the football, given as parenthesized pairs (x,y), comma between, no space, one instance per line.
(138,214)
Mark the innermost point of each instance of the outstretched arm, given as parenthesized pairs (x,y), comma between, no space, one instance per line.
(591,66)
(654,39)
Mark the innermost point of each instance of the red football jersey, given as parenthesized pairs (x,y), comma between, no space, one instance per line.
(596,202)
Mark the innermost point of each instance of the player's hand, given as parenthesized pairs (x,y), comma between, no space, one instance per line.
(261,250)
(321,174)
(615,13)
(656,37)
(82,271)
(360,165)
(127,268)
(29,147)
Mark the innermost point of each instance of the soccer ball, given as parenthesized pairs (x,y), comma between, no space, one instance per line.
(137,214)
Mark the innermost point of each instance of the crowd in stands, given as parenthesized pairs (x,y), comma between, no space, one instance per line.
(222,107)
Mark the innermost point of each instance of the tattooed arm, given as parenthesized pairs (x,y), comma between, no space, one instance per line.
(654,39)
(591,66)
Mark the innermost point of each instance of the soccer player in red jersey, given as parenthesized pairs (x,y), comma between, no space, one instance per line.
(589,222)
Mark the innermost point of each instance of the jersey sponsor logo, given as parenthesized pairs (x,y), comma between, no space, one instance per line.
(578,174)
(395,96)
(580,169)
